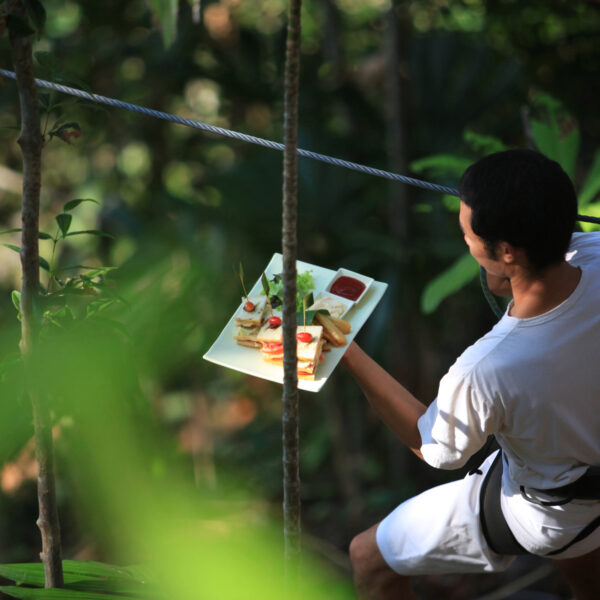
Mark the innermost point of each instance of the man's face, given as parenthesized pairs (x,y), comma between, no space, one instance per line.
(476,244)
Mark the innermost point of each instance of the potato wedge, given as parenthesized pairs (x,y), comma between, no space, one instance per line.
(342,325)
(330,330)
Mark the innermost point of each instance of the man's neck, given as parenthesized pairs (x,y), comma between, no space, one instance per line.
(533,296)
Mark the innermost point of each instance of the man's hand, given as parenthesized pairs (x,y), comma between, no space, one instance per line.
(396,406)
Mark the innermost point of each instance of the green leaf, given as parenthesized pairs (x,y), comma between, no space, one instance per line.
(166,13)
(46,60)
(92,232)
(484,144)
(74,571)
(241,276)
(16,299)
(42,235)
(441,164)
(591,210)
(452,203)
(461,272)
(71,204)
(591,185)
(37,13)
(43,262)
(265,284)
(55,594)
(64,222)
(94,270)
(310,316)
(558,146)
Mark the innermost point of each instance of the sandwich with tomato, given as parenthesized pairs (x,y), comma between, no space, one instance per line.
(249,318)
(309,347)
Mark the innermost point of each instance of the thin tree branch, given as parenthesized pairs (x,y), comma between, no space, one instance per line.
(30,141)
(291,486)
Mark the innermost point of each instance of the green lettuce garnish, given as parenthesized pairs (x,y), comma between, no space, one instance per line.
(304,285)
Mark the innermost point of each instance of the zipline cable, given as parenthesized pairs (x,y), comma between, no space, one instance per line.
(251,139)
(234,134)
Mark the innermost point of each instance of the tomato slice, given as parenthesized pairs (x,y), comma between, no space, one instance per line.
(304,336)
(270,348)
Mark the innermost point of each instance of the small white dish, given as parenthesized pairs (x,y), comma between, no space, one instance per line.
(367,281)
(344,302)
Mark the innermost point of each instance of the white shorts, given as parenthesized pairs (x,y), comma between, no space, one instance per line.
(439,532)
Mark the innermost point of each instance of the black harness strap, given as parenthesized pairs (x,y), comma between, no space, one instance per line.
(493,524)
(497,534)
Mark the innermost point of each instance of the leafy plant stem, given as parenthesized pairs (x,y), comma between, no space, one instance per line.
(51,270)
(31,143)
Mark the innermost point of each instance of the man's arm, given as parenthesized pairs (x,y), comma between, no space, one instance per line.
(396,406)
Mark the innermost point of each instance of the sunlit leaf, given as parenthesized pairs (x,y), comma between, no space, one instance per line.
(92,232)
(591,185)
(461,272)
(166,13)
(55,594)
(591,210)
(16,299)
(562,148)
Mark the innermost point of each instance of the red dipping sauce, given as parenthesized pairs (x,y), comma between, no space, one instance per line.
(347,287)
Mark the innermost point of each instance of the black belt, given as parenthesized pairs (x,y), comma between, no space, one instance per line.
(587,487)
(495,529)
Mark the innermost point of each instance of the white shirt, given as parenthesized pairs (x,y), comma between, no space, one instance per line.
(535,384)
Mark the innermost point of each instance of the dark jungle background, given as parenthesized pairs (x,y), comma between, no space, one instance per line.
(421,88)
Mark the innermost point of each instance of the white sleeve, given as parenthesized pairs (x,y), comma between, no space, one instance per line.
(456,424)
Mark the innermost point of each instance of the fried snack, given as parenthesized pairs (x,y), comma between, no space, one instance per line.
(342,325)
(330,330)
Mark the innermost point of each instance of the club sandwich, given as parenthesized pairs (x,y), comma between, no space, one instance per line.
(309,352)
(249,318)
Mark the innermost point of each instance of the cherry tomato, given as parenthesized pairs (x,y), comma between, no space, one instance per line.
(304,336)
(274,322)
(249,307)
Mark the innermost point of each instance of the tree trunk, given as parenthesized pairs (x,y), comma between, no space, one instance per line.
(30,141)
(291,485)
(402,347)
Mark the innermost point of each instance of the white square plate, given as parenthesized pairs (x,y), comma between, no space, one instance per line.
(227,353)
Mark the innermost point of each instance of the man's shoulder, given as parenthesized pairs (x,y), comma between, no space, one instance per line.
(484,358)
(584,248)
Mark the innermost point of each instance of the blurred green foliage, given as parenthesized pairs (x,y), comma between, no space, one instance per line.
(555,133)
(158,449)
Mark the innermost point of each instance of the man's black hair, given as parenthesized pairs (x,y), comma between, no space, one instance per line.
(523,198)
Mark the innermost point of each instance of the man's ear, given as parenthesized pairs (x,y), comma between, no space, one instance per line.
(510,254)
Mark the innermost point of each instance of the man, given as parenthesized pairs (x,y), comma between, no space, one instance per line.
(532,382)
